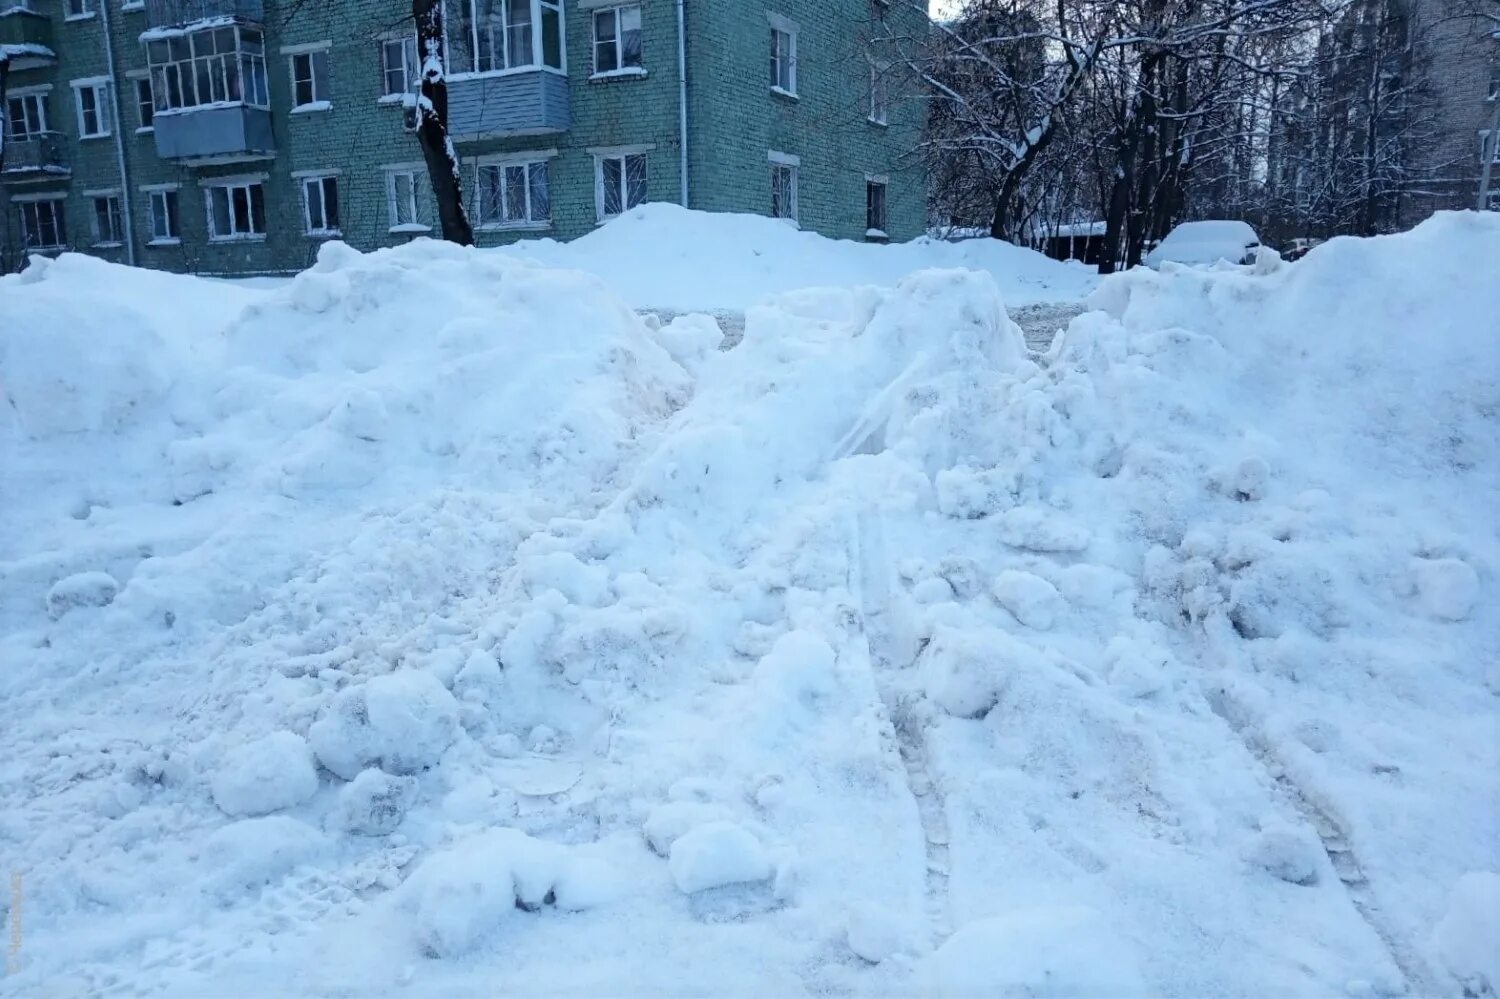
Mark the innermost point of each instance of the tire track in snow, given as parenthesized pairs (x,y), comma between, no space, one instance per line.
(1417,978)
(872,562)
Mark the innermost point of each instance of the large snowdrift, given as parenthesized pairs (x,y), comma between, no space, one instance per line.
(661,256)
(435,625)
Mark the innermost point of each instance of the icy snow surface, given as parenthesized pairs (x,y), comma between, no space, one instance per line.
(432,624)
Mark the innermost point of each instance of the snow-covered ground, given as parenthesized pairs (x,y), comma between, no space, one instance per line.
(434,624)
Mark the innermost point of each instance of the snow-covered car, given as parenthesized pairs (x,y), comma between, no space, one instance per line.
(1207,242)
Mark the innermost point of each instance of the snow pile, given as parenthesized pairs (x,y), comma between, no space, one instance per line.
(699,260)
(873,656)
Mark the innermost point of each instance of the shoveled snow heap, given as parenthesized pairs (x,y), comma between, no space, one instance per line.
(434,625)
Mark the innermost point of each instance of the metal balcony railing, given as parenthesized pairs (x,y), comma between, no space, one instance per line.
(39,152)
(180,13)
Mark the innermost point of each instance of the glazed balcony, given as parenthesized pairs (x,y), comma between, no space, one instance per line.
(167,14)
(27,31)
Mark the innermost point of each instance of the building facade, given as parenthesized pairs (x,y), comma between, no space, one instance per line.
(235,136)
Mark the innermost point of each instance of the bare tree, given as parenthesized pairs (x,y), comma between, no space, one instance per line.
(432,131)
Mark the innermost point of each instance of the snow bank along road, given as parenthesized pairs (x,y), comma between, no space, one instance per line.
(435,625)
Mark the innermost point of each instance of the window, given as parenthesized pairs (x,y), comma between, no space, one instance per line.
(784,186)
(875,207)
(1487,147)
(783,55)
(218,66)
(491,35)
(401,191)
(25,115)
(145,103)
(309,79)
(80,8)
(320,205)
(165,227)
(109,229)
(879,99)
(620,182)
(398,59)
(236,211)
(617,39)
(42,224)
(93,109)
(513,194)
(1495,80)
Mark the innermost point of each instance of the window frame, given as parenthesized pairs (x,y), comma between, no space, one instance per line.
(236,234)
(617,11)
(83,13)
(624,155)
(305,181)
(528,163)
(98,88)
(416,173)
(178,67)
(882,230)
(481,58)
(792,166)
(880,98)
(783,27)
(37,101)
(318,82)
(171,202)
(110,216)
(57,210)
(145,109)
(410,67)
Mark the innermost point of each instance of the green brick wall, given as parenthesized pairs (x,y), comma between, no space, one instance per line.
(735,120)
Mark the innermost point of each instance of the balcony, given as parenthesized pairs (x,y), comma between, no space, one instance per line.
(214,133)
(27,32)
(532,101)
(181,13)
(39,156)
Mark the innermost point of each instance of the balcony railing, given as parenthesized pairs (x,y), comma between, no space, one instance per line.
(180,13)
(40,153)
(25,25)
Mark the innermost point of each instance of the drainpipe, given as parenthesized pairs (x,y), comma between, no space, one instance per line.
(126,215)
(682,93)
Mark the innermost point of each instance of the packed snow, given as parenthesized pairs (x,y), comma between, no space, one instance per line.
(435,624)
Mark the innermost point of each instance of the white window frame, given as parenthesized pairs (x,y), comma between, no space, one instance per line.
(783,27)
(232,184)
(176,63)
(418,174)
(506,62)
(168,193)
(881,231)
(786,162)
(140,80)
(503,164)
(880,97)
(99,87)
(617,10)
(114,216)
(35,99)
(410,64)
(1486,146)
(321,178)
(55,207)
(624,154)
(85,10)
(322,98)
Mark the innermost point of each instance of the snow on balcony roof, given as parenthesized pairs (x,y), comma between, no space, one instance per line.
(178,30)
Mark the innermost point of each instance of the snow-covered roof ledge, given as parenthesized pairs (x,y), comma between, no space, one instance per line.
(27,49)
(178,30)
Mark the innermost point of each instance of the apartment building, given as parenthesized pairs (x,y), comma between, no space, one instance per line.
(234,136)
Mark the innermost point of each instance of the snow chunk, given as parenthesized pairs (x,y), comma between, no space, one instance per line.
(670,822)
(1034,601)
(1244,481)
(84,589)
(965,672)
(374,803)
(253,853)
(1037,530)
(403,720)
(274,772)
(1467,938)
(1062,951)
(875,933)
(467,891)
(716,854)
(1448,588)
(1290,854)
